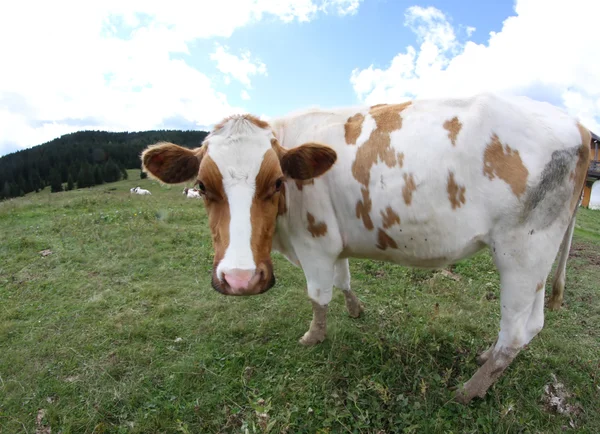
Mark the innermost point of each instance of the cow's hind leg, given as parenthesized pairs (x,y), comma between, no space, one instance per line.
(341,280)
(523,263)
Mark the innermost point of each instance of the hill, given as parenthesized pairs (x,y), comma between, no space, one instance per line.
(82,159)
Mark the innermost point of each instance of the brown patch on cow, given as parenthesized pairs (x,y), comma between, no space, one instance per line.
(384,241)
(170,163)
(400,158)
(300,184)
(409,187)
(453,126)
(282,205)
(539,287)
(363,209)
(387,119)
(315,229)
(390,218)
(505,163)
(266,205)
(353,128)
(583,162)
(456,193)
(217,206)
(377,147)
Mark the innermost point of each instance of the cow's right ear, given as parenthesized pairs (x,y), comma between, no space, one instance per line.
(170,163)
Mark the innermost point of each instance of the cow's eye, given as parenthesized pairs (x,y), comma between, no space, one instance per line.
(201,187)
(278,184)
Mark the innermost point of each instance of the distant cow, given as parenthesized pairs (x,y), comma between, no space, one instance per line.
(191,193)
(423,183)
(138,190)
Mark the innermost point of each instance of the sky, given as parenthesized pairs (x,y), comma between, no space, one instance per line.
(135,65)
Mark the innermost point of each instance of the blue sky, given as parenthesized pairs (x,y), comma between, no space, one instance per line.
(141,65)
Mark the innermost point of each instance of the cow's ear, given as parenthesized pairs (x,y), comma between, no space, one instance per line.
(170,163)
(307,161)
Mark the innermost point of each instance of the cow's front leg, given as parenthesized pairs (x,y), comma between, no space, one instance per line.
(319,279)
(341,280)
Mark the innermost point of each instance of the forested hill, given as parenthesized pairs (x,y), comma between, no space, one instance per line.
(82,159)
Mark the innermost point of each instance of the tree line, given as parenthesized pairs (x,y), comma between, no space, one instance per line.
(82,159)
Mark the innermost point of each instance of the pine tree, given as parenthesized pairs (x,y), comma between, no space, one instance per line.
(98,179)
(55,181)
(14,189)
(86,176)
(6,190)
(111,171)
(70,184)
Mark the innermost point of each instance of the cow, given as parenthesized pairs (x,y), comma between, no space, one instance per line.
(192,193)
(423,183)
(138,190)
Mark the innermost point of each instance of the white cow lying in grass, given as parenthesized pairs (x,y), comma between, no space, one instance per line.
(191,193)
(138,190)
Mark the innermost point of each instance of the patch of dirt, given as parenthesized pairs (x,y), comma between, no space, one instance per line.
(585,251)
(449,274)
(555,399)
(41,428)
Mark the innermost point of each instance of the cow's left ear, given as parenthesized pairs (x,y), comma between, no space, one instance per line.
(170,163)
(307,161)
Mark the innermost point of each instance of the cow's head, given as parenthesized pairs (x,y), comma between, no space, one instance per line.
(241,171)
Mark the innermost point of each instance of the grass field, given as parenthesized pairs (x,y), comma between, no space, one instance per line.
(118,330)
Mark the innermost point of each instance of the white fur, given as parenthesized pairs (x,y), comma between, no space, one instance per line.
(238,150)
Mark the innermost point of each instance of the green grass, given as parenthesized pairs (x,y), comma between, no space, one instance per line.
(118,330)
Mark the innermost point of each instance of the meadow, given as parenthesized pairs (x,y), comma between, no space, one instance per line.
(108,324)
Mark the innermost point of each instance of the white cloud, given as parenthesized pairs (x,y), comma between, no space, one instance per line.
(470,30)
(245,95)
(547,50)
(239,68)
(69,65)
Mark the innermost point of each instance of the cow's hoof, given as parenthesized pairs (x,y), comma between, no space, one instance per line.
(462,396)
(482,358)
(554,304)
(355,309)
(353,305)
(312,337)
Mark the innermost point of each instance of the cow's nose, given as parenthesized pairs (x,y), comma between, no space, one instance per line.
(238,279)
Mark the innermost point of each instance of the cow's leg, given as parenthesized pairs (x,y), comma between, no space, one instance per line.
(341,280)
(319,279)
(558,284)
(524,263)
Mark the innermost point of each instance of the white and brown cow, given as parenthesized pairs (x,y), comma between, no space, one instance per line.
(192,193)
(423,183)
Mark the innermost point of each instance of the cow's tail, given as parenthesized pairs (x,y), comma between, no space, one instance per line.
(558,283)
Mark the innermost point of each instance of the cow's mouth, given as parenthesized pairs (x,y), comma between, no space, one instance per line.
(260,283)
